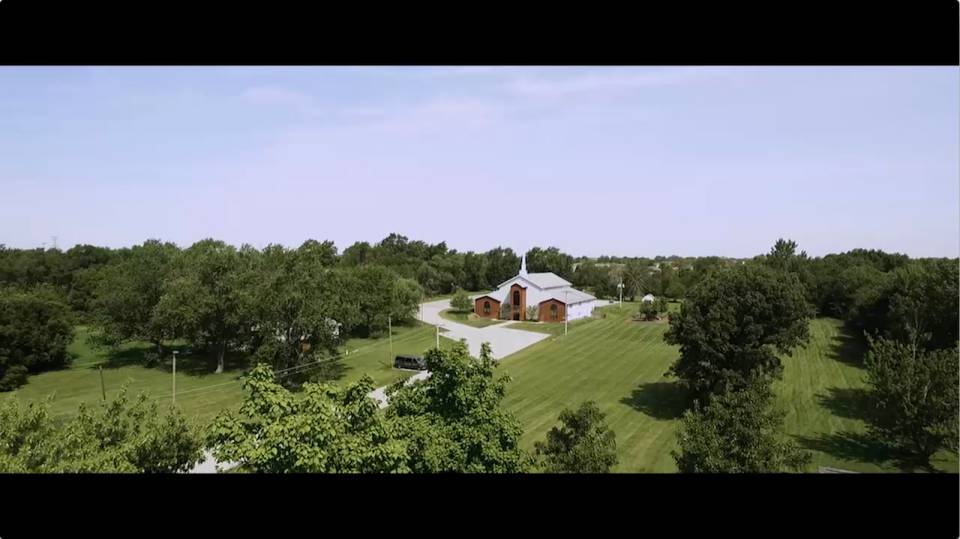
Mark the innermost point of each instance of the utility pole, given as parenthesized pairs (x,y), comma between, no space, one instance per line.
(620,286)
(566,310)
(390,332)
(103,388)
(174,377)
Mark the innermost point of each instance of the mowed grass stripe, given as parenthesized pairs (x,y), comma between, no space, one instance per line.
(586,369)
(610,358)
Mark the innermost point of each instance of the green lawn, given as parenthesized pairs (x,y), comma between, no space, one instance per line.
(200,393)
(469,319)
(622,364)
(373,356)
(823,393)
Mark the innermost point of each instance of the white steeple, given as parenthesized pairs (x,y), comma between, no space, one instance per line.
(523,265)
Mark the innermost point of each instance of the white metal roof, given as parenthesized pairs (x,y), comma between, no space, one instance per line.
(540,280)
(571,296)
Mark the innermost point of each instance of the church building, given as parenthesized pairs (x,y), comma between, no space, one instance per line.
(553,296)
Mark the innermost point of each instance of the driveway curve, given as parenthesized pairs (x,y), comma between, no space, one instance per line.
(503,341)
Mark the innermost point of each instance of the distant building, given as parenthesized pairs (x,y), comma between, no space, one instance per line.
(554,297)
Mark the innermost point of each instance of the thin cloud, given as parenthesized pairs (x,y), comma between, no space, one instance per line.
(596,82)
(276,95)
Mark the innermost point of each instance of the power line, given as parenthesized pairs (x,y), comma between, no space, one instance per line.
(284,372)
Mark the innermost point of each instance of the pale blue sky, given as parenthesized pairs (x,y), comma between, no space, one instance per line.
(624,161)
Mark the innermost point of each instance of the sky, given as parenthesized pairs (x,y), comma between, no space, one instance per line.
(626,161)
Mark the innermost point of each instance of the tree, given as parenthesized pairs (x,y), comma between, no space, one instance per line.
(357,254)
(650,310)
(295,307)
(475,271)
(674,290)
(923,303)
(581,444)
(324,428)
(203,297)
(453,421)
(114,436)
(319,254)
(506,311)
(636,279)
(461,301)
(914,395)
(532,312)
(732,324)
(502,264)
(377,292)
(129,291)
(405,299)
(35,328)
(429,278)
(549,260)
(737,433)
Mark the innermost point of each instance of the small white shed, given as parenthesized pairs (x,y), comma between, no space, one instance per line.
(648,298)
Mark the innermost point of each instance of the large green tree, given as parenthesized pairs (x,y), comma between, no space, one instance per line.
(582,443)
(378,293)
(110,437)
(453,420)
(550,259)
(129,291)
(923,303)
(35,328)
(203,298)
(475,271)
(295,305)
(502,264)
(739,432)
(732,325)
(915,397)
(324,428)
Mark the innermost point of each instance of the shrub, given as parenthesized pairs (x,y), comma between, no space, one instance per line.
(461,301)
(35,328)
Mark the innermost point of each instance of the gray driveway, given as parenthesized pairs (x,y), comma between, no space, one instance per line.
(503,341)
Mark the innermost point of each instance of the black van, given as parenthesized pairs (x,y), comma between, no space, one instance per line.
(410,362)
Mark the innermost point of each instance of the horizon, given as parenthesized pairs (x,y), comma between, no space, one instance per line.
(630,162)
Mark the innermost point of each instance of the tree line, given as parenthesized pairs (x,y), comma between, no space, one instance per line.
(279,305)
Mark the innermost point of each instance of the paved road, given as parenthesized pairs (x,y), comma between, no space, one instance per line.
(210,465)
(503,341)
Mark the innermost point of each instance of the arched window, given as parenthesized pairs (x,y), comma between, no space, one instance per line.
(486,307)
(516,297)
(553,311)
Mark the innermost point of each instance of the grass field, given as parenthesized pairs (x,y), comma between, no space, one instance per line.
(550,328)
(469,319)
(200,393)
(608,358)
(622,364)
